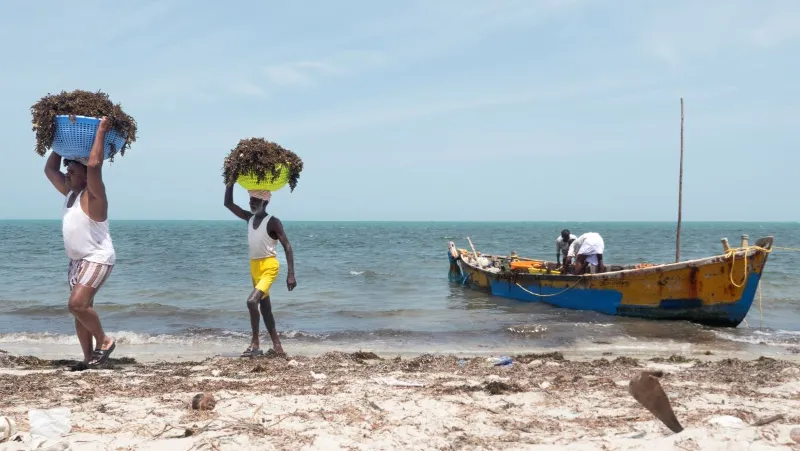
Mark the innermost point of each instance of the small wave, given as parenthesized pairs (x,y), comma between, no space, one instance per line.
(369,273)
(527,329)
(769,338)
(190,337)
(122,337)
(302,334)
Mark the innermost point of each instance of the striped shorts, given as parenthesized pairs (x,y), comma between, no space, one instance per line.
(90,274)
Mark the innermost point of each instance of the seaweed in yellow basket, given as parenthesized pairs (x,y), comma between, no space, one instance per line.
(260,165)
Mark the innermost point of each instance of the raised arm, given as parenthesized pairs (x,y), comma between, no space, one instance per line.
(98,203)
(235,209)
(558,250)
(276,226)
(52,169)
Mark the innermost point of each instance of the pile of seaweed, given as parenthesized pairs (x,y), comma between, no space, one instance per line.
(262,159)
(79,103)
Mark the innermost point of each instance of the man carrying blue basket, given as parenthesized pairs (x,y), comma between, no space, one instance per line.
(87,241)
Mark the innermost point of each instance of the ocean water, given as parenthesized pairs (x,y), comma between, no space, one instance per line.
(378,286)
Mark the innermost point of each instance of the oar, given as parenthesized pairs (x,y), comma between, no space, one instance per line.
(473,248)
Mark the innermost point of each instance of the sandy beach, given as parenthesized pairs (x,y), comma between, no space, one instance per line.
(365,401)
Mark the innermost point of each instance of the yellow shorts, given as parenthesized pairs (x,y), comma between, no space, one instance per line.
(263,272)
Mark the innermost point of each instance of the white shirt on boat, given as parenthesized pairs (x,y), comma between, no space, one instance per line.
(563,246)
(589,244)
(261,244)
(85,238)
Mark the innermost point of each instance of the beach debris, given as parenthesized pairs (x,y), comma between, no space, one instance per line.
(318,376)
(50,423)
(47,444)
(8,428)
(394,382)
(727,421)
(203,401)
(768,420)
(645,388)
(499,361)
(634,435)
(795,434)
(498,388)
(545,385)
(537,359)
(365,355)
(79,103)
(262,159)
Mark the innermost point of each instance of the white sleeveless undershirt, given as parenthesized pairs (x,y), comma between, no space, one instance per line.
(261,244)
(84,238)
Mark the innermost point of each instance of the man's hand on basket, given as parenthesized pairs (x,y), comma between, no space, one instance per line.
(105,124)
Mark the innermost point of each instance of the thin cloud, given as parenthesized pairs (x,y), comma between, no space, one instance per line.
(300,73)
(680,34)
(430,103)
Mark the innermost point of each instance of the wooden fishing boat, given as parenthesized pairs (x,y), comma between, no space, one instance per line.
(715,291)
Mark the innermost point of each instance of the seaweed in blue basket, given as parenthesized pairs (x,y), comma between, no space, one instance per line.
(78,103)
(260,157)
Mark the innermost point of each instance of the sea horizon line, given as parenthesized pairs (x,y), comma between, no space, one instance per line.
(435,221)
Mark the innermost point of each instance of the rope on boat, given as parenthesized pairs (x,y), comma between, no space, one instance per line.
(549,295)
(732,253)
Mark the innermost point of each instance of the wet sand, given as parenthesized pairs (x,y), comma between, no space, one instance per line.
(342,401)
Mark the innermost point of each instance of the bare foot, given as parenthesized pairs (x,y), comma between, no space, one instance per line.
(106,344)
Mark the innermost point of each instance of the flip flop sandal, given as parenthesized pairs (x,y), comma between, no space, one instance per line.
(251,352)
(100,356)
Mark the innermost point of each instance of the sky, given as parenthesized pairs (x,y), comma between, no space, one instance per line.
(441,110)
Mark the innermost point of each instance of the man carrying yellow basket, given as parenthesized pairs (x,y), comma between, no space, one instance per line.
(264,231)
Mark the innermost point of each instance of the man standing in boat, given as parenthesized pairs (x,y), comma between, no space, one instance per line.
(87,241)
(263,233)
(587,251)
(562,245)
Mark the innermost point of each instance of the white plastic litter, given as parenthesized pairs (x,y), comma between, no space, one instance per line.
(727,421)
(318,376)
(51,423)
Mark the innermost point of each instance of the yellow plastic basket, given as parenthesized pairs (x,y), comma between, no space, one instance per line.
(250,181)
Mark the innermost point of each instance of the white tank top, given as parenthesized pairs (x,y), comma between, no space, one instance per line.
(261,244)
(84,238)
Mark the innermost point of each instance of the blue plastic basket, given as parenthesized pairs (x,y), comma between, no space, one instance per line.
(74,140)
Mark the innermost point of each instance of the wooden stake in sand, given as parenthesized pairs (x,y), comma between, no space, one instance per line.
(645,389)
(680,196)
